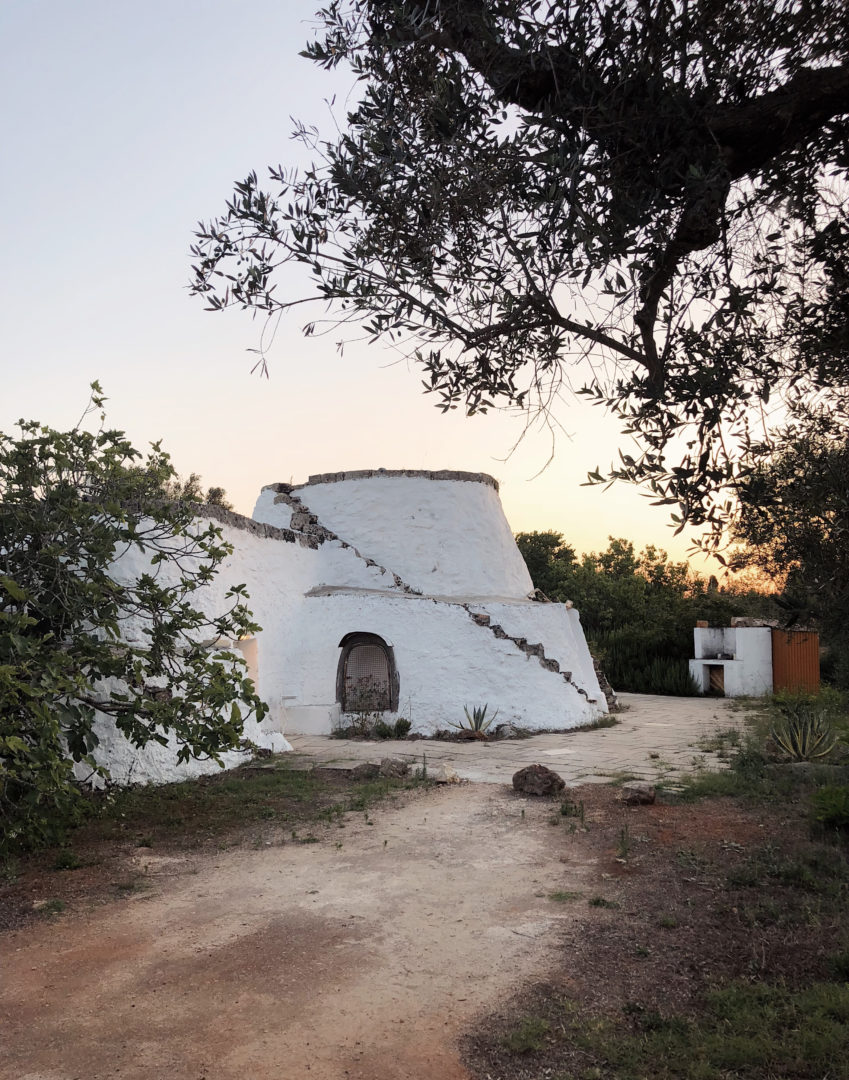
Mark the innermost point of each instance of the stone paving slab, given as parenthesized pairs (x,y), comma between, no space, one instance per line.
(657,738)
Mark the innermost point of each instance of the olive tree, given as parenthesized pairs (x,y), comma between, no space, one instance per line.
(641,202)
(80,638)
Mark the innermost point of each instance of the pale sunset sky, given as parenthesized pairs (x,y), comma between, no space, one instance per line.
(124,124)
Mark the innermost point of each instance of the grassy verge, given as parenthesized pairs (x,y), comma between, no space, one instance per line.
(726,951)
(740,1030)
(260,805)
(250,796)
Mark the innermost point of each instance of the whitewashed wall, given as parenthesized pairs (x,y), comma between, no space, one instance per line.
(559,630)
(748,672)
(443,535)
(444,662)
(256,561)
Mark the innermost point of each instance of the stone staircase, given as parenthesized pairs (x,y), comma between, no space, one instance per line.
(306,524)
(537,650)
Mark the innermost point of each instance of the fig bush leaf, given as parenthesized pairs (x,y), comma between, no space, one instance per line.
(85,638)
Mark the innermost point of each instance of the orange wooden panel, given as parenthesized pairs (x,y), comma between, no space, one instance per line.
(795,660)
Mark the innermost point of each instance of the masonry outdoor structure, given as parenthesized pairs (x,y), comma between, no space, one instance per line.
(398,593)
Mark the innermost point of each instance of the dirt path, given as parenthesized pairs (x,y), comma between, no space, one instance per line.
(360,959)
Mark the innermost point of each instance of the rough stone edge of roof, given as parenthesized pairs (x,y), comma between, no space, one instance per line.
(239,521)
(367,474)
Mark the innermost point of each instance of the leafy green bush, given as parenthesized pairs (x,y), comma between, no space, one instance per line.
(668,676)
(634,659)
(70,504)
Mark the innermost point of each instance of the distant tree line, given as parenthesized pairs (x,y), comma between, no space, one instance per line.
(638,610)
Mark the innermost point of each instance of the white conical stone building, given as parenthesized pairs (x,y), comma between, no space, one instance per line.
(423,567)
(393,592)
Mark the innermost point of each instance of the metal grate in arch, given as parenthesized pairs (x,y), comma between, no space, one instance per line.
(367,684)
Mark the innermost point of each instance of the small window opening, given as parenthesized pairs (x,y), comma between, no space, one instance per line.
(367,681)
(716,679)
(247,646)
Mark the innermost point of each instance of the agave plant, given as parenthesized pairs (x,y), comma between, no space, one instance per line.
(476,723)
(804,735)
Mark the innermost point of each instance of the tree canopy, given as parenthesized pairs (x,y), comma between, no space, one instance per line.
(793,523)
(83,638)
(641,202)
(638,608)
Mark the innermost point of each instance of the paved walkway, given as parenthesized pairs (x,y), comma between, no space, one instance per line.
(657,738)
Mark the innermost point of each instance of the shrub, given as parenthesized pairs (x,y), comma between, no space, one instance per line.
(803,733)
(70,503)
(643,661)
(830,806)
(476,722)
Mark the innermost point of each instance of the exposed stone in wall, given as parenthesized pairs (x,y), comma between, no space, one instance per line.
(239,521)
(309,528)
(606,688)
(307,525)
(537,650)
(367,474)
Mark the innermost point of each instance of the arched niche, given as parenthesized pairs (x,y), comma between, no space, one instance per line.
(366,678)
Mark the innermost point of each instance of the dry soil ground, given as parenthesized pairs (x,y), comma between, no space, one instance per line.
(444,934)
(364,955)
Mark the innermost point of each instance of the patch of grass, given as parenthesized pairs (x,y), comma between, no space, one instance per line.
(762,913)
(830,806)
(213,806)
(690,860)
(67,860)
(815,868)
(51,907)
(605,721)
(245,794)
(369,792)
(528,1036)
(10,867)
(129,886)
(839,965)
(568,808)
(747,775)
(667,922)
(654,1020)
(619,776)
(600,901)
(721,743)
(750,1031)
(562,896)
